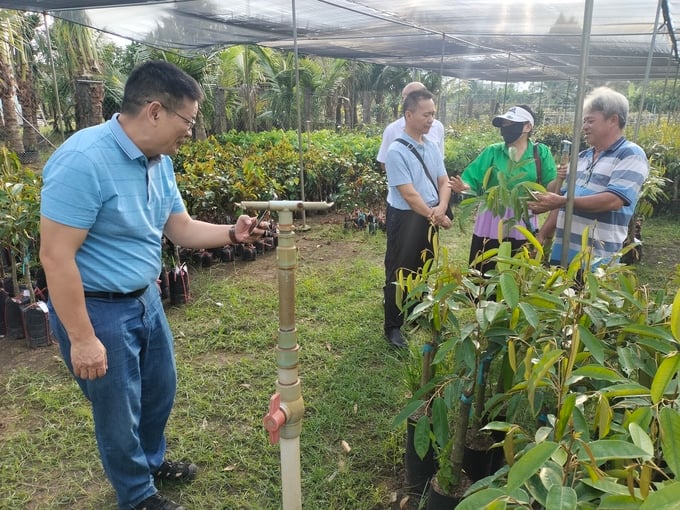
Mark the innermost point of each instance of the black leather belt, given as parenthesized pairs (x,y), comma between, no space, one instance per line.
(115,295)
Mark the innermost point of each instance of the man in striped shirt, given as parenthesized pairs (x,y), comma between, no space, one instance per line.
(609,178)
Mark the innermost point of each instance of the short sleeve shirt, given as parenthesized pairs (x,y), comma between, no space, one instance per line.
(98,180)
(404,168)
(621,169)
(496,156)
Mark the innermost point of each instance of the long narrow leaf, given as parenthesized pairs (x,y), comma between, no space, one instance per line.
(421,436)
(669,422)
(665,373)
(529,464)
(609,449)
(675,316)
(666,498)
(564,498)
(480,499)
(594,344)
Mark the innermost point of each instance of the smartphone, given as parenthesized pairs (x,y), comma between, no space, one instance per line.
(566,150)
(263,216)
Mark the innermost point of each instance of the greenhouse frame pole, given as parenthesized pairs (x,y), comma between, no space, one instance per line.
(648,68)
(578,114)
(299,115)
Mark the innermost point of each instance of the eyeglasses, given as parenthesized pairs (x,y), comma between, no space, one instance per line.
(190,122)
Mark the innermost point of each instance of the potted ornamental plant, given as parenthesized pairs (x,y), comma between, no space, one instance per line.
(19,226)
(452,400)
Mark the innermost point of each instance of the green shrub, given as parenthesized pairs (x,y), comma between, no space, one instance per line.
(215,174)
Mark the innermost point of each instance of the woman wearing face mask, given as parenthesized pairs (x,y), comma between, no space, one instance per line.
(517,158)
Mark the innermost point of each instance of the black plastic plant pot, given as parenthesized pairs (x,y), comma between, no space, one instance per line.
(418,471)
(3,298)
(206,259)
(14,319)
(478,464)
(249,253)
(438,501)
(178,280)
(225,254)
(164,284)
(36,319)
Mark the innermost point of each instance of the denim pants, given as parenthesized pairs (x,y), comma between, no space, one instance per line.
(132,402)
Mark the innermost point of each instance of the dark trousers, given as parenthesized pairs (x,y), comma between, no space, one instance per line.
(406,239)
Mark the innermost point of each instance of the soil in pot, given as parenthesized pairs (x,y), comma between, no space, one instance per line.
(418,471)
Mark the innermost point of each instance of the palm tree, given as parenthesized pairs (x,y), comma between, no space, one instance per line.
(78,58)
(239,79)
(8,34)
(24,63)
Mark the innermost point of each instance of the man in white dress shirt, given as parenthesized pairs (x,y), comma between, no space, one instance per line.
(396,128)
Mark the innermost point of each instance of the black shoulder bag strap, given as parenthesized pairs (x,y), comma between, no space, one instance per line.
(539,176)
(419,157)
(410,147)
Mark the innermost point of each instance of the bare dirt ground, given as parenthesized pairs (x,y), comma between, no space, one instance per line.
(16,353)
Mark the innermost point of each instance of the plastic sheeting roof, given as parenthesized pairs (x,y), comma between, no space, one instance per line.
(497,40)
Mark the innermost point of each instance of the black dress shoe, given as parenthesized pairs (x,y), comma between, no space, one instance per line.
(396,339)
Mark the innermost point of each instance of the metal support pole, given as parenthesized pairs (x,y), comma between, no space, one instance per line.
(578,122)
(298,102)
(286,406)
(645,82)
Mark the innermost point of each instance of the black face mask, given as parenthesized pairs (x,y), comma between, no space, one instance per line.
(512,132)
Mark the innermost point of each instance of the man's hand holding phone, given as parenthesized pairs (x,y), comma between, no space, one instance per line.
(264,216)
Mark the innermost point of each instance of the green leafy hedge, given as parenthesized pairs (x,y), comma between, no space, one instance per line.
(216,174)
(219,172)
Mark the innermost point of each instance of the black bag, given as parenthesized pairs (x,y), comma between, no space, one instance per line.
(449,212)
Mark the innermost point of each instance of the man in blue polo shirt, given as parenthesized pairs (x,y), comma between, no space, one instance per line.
(416,198)
(609,178)
(109,195)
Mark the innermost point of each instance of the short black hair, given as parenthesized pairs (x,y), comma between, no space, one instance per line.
(411,100)
(160,81)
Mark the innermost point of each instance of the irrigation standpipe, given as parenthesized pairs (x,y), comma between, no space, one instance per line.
(286,407)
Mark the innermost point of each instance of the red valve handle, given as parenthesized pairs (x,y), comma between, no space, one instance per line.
(275,419)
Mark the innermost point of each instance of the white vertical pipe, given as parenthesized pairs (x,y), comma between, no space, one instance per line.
(290,473)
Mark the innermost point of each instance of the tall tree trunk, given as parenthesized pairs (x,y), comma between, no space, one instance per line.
(89,101)
(29,109)
(7,97)
(220,116)
(380,116)
(366,106)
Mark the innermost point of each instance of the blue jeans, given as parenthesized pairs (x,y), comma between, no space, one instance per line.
(132,402)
